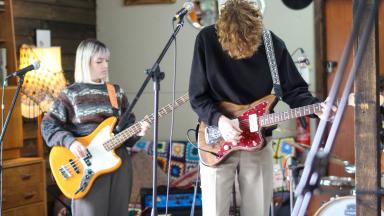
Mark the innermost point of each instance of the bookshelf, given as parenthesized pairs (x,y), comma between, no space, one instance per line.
(24,178)
(7,36)
(13,140)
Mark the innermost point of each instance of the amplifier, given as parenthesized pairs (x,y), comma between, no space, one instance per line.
(179,201)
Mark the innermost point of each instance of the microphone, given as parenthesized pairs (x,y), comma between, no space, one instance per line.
(303,60)
(34,66)
(187,7)
(303,67)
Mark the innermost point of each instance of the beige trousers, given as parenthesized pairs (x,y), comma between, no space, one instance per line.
(255,171)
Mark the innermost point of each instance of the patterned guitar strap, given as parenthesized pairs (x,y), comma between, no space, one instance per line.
(272,63)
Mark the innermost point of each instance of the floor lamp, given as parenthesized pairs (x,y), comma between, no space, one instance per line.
(41,86)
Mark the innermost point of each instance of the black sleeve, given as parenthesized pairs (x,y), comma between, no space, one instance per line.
(199,93)
(53,124)
(295,89)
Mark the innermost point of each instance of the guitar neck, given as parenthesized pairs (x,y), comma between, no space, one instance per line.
(275,118)
(124,135)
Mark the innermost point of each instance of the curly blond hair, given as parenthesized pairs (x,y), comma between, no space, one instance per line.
(240,28)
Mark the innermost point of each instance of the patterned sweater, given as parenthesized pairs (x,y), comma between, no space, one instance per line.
(79,109)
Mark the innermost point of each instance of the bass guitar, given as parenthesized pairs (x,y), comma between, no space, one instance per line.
(75,176)
(253,119)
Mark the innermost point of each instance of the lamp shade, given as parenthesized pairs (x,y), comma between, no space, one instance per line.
(42,86)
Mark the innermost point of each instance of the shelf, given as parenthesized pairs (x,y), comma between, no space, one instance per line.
(7,41)
(7,34)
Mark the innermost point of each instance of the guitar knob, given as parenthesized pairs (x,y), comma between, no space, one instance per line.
(226,147)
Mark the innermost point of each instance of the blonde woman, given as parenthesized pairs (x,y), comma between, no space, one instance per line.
(80,108)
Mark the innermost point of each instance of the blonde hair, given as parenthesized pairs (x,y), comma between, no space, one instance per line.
(240,28)
(86,50)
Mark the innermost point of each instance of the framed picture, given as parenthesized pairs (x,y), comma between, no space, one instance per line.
(43,38)
(138,2)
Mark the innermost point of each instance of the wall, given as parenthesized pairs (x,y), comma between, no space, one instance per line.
(69,21)
(137,34)
(296,28)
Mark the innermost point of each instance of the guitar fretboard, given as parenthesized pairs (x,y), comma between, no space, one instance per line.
(119,138)
(275,118)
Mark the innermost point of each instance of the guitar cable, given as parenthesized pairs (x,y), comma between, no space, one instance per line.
(195,145)
(192,212)
(172,120)
(1,146)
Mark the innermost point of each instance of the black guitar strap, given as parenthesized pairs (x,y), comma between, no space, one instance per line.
(272,63)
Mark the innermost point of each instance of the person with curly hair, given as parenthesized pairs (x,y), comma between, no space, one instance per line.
(230,64)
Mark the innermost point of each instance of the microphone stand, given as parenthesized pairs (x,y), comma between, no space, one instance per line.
(316,162)
(156,75)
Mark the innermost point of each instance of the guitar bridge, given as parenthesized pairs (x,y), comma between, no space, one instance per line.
(64,172)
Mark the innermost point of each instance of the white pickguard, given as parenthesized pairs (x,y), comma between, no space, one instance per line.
(101,159)
(253,123)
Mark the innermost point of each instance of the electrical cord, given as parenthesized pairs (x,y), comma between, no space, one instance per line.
(192,212)
(172,120)
(1,144)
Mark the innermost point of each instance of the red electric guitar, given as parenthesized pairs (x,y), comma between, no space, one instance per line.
(253,119)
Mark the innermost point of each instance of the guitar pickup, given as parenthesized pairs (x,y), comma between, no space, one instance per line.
(64,172)
(74,166)
(253,123)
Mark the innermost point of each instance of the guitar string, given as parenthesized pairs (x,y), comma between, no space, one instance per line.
(69,166)
(315,107)
(109,147)
(75,162)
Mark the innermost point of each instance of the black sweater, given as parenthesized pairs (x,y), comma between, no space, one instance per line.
(216,77)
